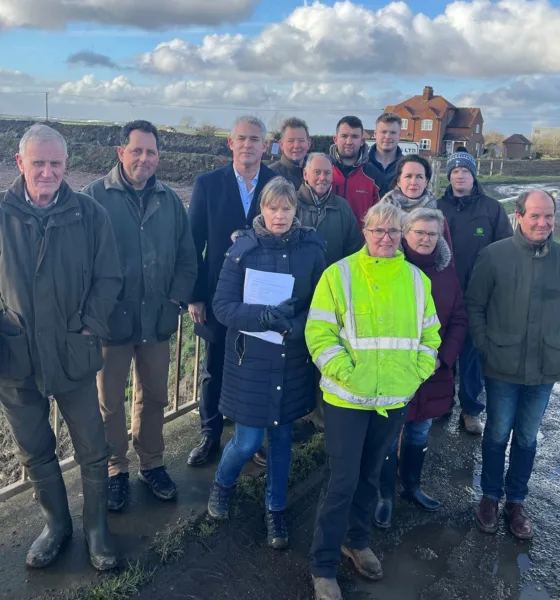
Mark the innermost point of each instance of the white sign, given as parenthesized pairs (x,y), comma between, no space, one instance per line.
(409,147)
(275,148)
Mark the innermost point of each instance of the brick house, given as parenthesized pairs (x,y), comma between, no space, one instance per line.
(438,126)
(517,146)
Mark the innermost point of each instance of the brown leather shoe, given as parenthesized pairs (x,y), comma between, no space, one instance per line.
(518,520)
(365,561)
(487,515)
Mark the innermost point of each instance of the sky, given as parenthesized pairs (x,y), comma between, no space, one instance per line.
(212,60)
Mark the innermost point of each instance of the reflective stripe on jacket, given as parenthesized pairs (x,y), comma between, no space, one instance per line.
(372,331)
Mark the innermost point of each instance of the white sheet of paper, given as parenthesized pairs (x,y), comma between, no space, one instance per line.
(270,289)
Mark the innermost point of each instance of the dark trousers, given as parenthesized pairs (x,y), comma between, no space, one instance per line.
(27,413)
(357,442)
(516,408)
(211,421)
(471,381)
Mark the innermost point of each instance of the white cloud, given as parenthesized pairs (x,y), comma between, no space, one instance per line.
(145,14)
(479,39)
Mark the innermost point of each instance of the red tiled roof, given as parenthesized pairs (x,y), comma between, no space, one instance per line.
(417,104)
(464,117)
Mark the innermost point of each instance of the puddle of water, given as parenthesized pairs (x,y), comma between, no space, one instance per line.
(534,591)
(524,563)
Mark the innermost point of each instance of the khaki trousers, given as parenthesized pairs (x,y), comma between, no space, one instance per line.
(151,368)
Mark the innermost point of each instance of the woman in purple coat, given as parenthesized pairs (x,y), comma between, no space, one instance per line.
(425,247)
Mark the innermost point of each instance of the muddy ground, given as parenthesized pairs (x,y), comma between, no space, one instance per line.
(439,556)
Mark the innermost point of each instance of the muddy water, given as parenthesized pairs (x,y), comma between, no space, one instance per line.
(439,556)
(508,190)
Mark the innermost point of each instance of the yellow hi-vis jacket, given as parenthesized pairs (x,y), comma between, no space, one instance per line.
(372,331)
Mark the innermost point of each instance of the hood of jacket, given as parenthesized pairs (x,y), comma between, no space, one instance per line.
(440,258)
(115,180)
(362,159)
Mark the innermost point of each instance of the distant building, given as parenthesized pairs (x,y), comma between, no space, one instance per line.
(439,126)
(517,146)
(537,132)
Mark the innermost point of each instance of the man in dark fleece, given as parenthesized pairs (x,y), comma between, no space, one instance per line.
(475,221)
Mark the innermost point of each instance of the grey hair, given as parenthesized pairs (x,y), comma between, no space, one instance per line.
(41,133)
(384,212)
(423,214)
(251,121)
(521,201)
(276,188)
(313,155)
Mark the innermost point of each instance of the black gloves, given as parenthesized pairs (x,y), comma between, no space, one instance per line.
(278,318)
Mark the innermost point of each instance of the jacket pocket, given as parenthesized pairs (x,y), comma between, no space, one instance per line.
(551,354)
(167,320)
(15,361)
(121,322)
(503,351)
(84,355)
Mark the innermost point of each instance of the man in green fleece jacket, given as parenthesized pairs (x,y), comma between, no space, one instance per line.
(512,301)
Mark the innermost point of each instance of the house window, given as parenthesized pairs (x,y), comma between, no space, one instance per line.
(526,147)
(477,148)
(426,144)
(404,124)
(478,128)
(537,132)
(426,125)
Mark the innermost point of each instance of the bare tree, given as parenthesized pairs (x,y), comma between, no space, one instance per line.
(208,129)
(187,122)
(275,124)
(547,145)
(494,137)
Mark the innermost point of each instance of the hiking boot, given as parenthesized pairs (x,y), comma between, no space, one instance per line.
(472,425)
(259,458)
(160,483)
(518,520)
(326,589)
(206,450)
(219,501)
(277,533)
(118,491)
(365,561)
(487,515)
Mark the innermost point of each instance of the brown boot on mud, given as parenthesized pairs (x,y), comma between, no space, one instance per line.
(518,520)
(365,561)
(487,515)
(472,425)
(326,589)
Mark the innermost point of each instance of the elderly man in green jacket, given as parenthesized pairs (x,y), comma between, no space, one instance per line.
(512,301)
(158,260)
(59,281)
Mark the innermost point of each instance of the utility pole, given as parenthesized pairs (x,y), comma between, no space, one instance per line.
(47,107)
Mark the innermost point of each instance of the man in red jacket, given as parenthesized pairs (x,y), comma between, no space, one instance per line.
(355,179)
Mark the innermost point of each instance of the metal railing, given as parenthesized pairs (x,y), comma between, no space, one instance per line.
(176,411)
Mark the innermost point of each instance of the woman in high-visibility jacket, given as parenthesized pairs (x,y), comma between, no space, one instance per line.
(372,331)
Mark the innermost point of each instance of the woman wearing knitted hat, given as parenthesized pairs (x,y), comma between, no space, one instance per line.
(410,188)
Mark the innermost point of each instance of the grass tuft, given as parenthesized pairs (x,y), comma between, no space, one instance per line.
(169,544)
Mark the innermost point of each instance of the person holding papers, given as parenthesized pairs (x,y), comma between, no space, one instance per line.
(373,333)
(263,297)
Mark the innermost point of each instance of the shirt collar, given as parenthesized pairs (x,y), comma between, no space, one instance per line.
(34,205)
(239,177)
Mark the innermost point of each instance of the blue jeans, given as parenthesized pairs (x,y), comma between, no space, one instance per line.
(518,408)
(415,433)
(245,442)
(471,381)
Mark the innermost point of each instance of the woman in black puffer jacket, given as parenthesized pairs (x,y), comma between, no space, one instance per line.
(266,386)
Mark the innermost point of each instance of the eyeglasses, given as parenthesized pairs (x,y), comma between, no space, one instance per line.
(433,235)
(379,234)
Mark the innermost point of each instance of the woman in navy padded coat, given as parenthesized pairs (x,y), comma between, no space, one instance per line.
(266,386)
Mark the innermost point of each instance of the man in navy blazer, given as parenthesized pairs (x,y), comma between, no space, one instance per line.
(222,202)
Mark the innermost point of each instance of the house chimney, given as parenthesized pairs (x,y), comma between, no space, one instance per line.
(428,92)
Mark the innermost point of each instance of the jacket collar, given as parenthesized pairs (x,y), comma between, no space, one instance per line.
(114,181)
(462,201)
(376,263)
(535,250)
(360,161)
(291,164)
(440,258)
(383,169)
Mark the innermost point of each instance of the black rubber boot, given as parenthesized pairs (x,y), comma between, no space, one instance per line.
(51,495)
(412,461)
(102,553)
(386,499)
